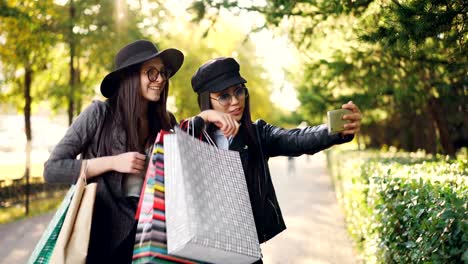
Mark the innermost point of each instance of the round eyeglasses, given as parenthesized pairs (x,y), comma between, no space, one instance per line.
(225,99)
(153,74)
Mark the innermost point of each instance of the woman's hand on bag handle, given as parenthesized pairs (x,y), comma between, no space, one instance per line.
(128,162)
(225,122)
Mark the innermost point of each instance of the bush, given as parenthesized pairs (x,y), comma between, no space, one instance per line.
(403,207)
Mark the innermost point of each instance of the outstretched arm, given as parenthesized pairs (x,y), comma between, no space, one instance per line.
(277,141)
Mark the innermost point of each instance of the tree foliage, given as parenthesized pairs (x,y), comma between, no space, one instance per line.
(403,62)
(223,41)
(427,39)
(26,42)
(83,37)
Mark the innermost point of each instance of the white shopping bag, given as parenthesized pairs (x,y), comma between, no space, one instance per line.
(208,211)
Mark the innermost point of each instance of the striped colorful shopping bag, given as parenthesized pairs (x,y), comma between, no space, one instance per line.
(150,241)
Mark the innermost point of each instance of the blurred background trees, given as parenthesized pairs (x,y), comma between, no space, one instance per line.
(54,54)
(403,62)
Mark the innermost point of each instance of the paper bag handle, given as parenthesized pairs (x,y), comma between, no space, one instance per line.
(84,172)
(207,136)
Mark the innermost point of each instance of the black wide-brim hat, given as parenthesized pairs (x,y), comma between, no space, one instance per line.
(135,53)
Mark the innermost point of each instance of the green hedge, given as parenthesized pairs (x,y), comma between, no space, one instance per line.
(403,207)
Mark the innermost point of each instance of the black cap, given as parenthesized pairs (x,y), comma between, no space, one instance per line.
(217,75)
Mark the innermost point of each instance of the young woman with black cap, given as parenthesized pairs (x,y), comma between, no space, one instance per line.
(220,87)
(111,136)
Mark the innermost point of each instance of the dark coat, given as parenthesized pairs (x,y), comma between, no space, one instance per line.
(276,141)
(114,215)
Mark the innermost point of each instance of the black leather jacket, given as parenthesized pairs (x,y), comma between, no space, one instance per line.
(276,141)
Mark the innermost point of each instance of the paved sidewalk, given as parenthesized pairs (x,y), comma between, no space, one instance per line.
(18,239)
(315,231)
(315,227)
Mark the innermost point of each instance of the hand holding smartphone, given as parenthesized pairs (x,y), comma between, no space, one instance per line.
(335,120)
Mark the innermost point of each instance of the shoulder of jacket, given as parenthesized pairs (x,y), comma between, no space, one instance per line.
(96,105)
(97,109)
(261,124)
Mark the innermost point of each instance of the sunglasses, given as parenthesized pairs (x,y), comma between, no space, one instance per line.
(154,73)
(225,99)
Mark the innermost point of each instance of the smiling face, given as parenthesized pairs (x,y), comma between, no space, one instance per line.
(233,106)
(152,89)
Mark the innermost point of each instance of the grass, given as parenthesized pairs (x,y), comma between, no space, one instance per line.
(39,205)
(36,207)
(16,171)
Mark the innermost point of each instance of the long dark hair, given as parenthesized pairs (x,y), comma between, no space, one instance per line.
(123,109)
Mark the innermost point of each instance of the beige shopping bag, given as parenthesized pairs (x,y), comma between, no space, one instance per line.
(73,240)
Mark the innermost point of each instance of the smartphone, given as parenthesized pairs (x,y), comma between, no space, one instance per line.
(335,120)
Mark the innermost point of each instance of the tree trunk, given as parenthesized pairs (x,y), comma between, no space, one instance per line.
(437,115)
(27,129)
(358,140)
(71,39)
(431,142)
(79,98)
